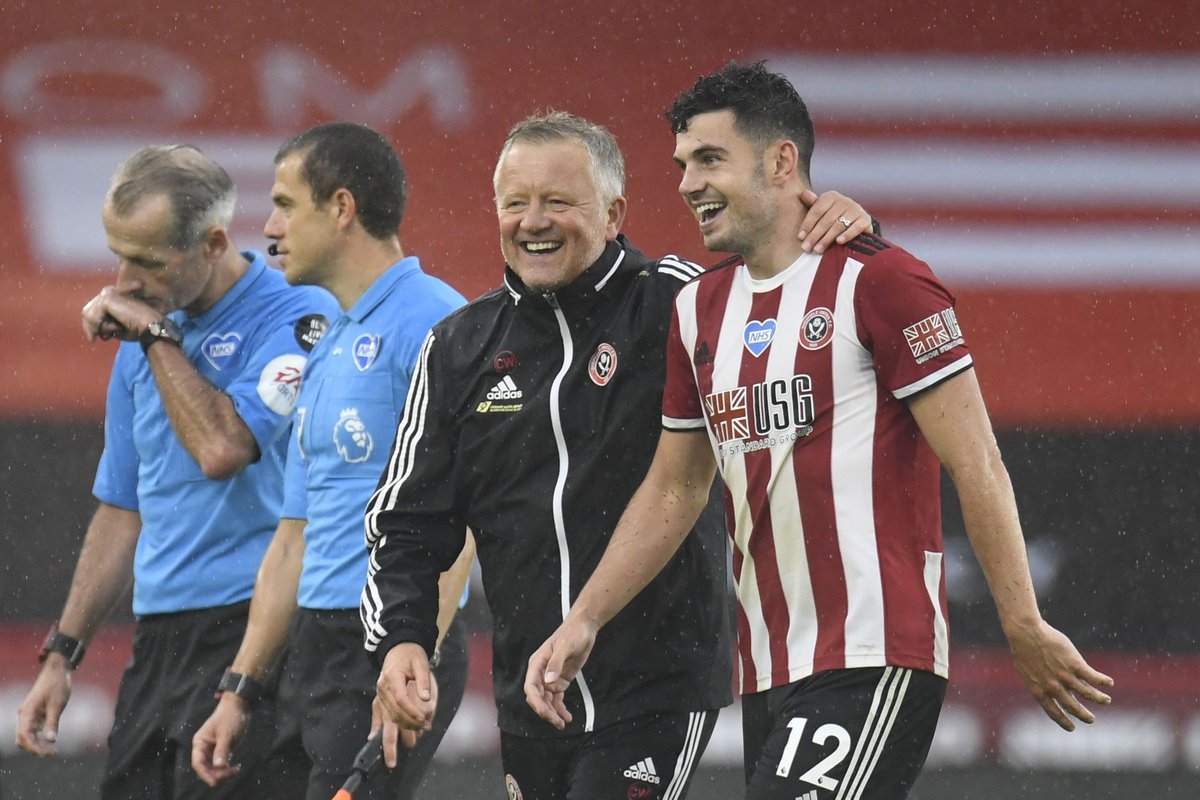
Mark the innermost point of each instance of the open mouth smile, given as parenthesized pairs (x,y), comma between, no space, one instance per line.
(540,248)
(707,212)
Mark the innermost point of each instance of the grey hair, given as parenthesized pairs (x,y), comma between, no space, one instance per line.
(201,193)
(608,165)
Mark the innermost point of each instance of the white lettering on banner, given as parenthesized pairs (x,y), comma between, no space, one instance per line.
(181,89)
(293,79)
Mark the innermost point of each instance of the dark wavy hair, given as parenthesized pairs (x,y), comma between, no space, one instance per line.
(765,105)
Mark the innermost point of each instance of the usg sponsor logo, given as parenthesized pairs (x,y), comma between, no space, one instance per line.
(754,412)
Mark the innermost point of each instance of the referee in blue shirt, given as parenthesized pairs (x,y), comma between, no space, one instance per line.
(339,196)
(190,481)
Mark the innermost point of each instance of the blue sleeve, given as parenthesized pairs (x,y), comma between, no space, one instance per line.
(295,489)
(117,474)
(264,393)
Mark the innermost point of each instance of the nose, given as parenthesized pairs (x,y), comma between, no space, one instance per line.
(689,182)
(129,277)
(274,227)
(535,218)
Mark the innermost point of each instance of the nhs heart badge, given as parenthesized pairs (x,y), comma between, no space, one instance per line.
(366,348)
(218,348)
(758,335)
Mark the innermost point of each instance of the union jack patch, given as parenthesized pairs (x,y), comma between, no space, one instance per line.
(933,335)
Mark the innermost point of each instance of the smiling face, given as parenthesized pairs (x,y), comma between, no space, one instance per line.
(304,232)
(150,269)
(553,222)
(724,184)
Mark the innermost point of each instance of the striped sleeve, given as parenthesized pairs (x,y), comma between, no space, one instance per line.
(413,531)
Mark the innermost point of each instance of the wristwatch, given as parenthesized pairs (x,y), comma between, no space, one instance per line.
(68,647)
(161,330)
(243,686)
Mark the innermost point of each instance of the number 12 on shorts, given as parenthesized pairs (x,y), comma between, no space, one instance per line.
(818,774)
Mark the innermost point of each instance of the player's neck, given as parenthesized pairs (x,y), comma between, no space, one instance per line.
(775,253)
(229,268)
(360,265)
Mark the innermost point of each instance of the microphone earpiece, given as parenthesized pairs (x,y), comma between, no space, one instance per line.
(273,249)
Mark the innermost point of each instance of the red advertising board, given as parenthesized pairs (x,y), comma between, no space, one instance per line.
(1046,164)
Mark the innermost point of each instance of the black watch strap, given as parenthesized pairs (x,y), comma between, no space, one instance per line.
(243,686)
(68,647)
(161,330)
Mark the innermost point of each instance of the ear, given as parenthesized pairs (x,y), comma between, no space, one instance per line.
(216,243)
(615,218)
(344,208)
(782,161)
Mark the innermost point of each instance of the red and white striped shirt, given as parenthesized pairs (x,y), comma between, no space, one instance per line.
(832,492)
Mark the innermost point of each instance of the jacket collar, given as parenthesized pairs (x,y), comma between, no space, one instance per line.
(619,258)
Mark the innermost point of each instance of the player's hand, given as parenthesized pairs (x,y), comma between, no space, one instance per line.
(822,225)
(405,689)
(113,315)
(214,742)
(1057,675)
(393,733)
(37,718)
(554,665)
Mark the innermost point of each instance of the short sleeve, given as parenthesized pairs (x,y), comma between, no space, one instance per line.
(265,391)
(117,474)
(295,475)
(681,408)
(907,320)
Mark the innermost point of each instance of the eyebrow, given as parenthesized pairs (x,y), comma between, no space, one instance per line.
(701,151)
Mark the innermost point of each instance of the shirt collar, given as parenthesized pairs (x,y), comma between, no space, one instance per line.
(588,285)
(258,265)
(378,291)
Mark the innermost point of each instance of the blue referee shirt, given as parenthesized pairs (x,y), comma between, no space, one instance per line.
(202,540)
(355,385)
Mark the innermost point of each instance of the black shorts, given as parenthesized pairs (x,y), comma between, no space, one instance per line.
(324,710)
(167,692)
(852,734)
(652,757)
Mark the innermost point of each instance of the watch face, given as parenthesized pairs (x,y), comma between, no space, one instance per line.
(165,328)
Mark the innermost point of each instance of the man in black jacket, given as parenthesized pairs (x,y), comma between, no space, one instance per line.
(530,419)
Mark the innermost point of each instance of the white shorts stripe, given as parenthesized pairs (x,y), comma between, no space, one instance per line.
(898,691)
(889,694)
(688,756)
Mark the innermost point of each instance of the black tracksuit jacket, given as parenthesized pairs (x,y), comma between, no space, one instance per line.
(532,419)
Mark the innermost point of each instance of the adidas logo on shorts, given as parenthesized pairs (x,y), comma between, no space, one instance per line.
(643,771)
(505,390)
